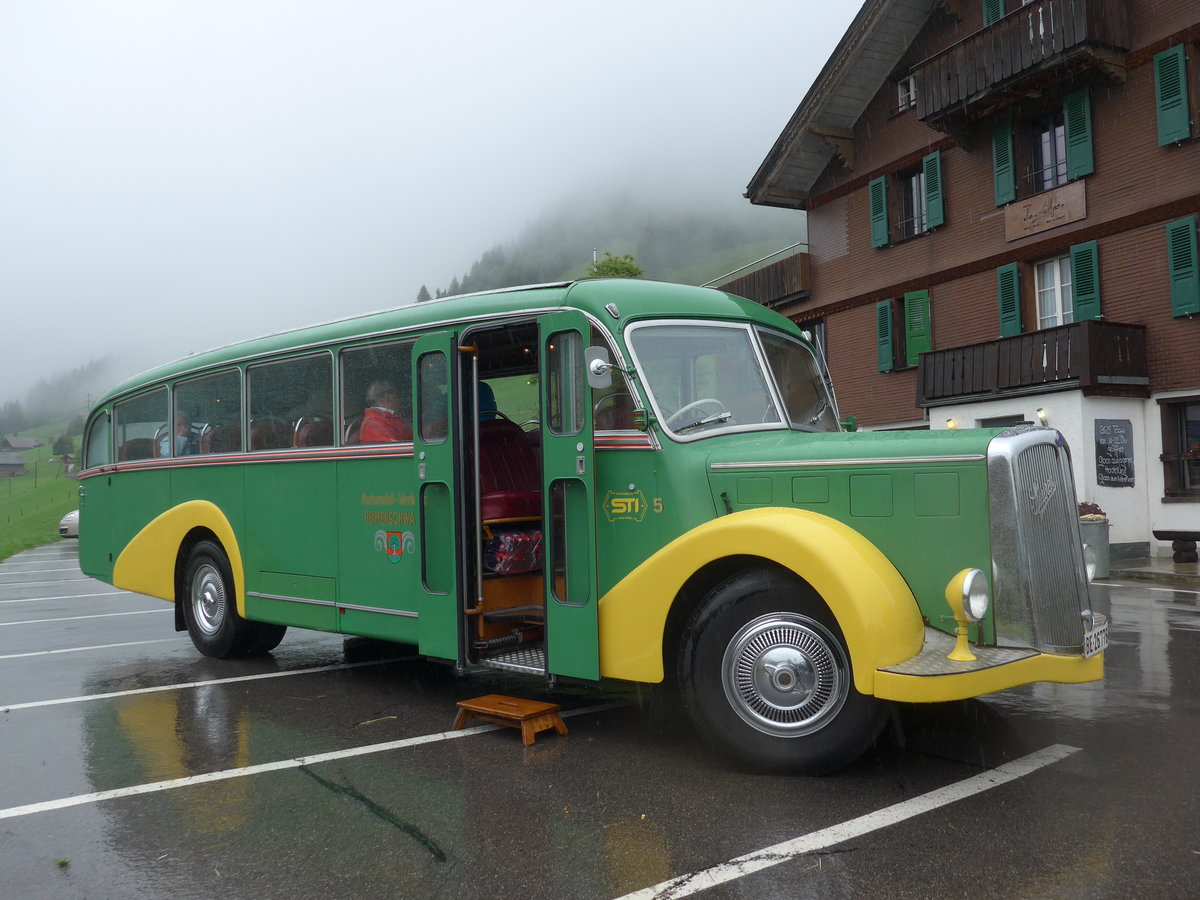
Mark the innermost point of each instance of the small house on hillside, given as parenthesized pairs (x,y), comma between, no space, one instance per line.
(12,465)
(19,443)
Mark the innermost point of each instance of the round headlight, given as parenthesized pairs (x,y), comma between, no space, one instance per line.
(976,597)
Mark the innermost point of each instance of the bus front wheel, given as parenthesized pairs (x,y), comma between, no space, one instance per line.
(765,676)
(210,609)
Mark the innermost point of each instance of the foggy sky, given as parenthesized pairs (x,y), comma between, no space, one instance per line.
(179,175)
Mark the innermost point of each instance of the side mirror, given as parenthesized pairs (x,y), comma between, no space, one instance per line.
(599,368)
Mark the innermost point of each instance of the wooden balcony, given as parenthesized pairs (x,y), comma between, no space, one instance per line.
(1034,45)
(786,279)
(1096,357)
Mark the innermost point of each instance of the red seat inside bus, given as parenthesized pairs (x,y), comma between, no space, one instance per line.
(510,484)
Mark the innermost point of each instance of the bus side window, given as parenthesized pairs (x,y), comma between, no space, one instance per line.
(141,426)
(613,406)
(99,441)
(213,406)
(364,371)
(286,396)
(433,384)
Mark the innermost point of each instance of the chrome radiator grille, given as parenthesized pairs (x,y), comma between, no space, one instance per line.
(1041,590)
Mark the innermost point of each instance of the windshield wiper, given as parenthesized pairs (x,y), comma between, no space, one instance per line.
(821,407)
(722,416)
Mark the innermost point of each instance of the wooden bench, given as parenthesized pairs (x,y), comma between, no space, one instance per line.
(531,716)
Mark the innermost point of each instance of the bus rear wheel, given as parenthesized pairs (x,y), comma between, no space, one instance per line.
(765,676)
(210,609)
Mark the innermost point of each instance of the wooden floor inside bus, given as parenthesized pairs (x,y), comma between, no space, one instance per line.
(510,621)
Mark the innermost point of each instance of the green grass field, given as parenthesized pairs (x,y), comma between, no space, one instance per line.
(32,504)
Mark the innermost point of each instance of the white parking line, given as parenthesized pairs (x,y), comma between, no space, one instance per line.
(68,597)
(83,649)
(37,570)
(135,612)
(1128,585)
(155,787)
(685,885)
(31,583)
(116,695)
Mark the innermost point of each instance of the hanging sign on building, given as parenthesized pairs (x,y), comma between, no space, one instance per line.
(1046,210)
(1114,453)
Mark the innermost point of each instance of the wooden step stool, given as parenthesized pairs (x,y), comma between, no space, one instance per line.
(531,716)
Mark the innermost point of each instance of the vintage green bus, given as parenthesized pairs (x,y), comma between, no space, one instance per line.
(603,479)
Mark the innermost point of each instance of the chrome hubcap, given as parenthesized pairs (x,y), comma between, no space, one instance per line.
(785,674)
(208,598)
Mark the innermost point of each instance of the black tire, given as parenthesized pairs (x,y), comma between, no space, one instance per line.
(765,676)
(210,606)
(267,639)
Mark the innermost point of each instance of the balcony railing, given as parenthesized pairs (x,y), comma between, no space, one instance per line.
(785,279)
(1095,357)
(1010,56)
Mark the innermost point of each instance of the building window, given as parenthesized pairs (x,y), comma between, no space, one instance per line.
(913,205)
(901,347)
(1183,267)
(913,209)
(1058,149)
(1048,152)
(1172,106)
(1055,304)
(906,93)
(1181,448)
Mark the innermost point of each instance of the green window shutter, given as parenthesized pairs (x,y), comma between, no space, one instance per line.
(883,335)
(1170,96)
(1008,293)
(935,210)
(992,10)
(879,210)
(1077,116)
(1085,281)
(918,336)
(1003,172)
(1183,264)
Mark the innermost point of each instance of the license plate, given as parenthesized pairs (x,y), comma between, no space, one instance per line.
(1095,640)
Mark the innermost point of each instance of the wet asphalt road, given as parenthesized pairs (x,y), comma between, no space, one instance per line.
(134,767)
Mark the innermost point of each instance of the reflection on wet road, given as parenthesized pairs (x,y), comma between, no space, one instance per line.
(136,767)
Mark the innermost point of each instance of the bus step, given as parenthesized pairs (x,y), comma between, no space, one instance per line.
(518,659)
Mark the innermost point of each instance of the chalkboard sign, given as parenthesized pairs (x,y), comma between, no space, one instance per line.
(1114,453)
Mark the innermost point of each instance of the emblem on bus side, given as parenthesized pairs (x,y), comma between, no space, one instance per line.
(625,505)
(395,544)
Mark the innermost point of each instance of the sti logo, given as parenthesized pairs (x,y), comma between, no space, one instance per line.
(629,505)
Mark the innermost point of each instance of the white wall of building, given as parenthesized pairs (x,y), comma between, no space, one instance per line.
(1074,415)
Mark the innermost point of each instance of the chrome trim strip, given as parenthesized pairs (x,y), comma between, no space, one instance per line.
(864,461)
(404,613)
(287,599)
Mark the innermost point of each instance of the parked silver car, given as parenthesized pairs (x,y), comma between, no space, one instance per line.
(68,526)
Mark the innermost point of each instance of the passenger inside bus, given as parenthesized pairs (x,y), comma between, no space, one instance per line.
(381,422)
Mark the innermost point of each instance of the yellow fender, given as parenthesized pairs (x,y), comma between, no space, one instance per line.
(873,605)
(147,564)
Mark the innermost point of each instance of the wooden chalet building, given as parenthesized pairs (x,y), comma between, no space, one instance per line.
(1002,203)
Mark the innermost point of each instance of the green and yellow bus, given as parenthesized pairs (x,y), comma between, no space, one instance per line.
(603,479)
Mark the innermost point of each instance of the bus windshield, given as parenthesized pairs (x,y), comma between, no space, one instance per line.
(708,378)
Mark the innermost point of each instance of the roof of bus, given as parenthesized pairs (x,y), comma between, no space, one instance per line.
(634,299)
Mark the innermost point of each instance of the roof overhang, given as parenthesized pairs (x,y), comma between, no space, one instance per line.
(823,124)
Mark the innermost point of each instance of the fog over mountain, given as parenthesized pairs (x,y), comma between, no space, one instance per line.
(178,175)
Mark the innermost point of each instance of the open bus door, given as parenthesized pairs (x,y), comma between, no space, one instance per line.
(568,491)
(434,445)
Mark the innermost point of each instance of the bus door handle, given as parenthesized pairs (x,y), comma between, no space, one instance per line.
(580,466)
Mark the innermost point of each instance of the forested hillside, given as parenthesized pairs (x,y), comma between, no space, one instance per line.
(687,245)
